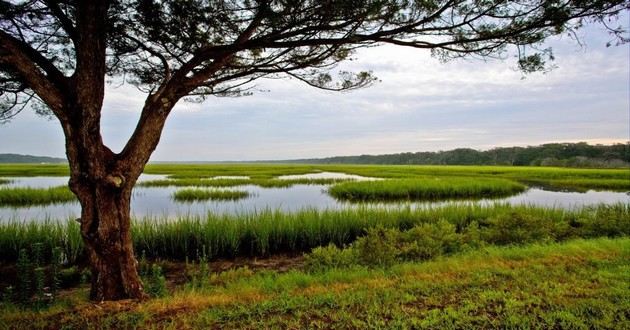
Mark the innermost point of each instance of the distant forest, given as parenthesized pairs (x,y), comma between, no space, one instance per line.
(552,154)
(16,158)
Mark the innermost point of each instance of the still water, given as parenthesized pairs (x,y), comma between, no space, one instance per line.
(158,202)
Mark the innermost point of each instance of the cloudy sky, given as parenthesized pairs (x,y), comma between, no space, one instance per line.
(419,105)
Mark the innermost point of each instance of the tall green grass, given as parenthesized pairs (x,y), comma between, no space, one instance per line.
(191,195)
(425,189)
(26,196)
(269,232)
(265,183)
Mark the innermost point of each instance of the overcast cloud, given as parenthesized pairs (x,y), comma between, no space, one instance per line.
(419,105)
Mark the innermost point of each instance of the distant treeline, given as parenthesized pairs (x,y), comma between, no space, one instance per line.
(552,154)
(16,158)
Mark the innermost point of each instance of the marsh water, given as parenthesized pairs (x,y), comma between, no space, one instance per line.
(158,201)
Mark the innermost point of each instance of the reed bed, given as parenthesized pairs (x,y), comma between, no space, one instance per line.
(425,189)
(268,232)
(265,183)
(26,196)
(191,195)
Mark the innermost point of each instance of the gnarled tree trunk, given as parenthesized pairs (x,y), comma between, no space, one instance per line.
(104,192)
(105,227)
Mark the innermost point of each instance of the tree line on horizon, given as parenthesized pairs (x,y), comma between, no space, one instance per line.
(579,154)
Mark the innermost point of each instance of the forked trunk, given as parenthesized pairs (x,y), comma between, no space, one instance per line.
(105,227)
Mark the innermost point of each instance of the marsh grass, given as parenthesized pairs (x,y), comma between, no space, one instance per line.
(26,196)
(265,183)
(614,179)
(583,185)
(425,189)
(267,232)
(191,195)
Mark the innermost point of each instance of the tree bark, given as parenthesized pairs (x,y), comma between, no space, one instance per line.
(103,183)
(106,231)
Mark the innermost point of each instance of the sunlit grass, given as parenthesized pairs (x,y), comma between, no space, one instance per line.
(191,195)
(25,196)
(614,179)
(425,189)
(265,183)
(574,284)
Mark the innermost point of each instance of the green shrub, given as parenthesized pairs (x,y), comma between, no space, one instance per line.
(379,247)
(156,282)
(327,257)
(517,228)
(24,271)
(427,241)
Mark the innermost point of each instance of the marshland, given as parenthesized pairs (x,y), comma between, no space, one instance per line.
(251,246)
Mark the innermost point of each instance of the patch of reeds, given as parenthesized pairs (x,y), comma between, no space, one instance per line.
(26,196)
(432,188)
(191,195)
(269,232)
(265,183)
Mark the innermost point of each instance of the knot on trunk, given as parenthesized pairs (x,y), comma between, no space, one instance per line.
(115,180)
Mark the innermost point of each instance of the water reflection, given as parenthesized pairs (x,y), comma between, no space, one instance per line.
(152,201)
(327,175)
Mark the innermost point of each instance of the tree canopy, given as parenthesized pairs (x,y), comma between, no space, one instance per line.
(199,48)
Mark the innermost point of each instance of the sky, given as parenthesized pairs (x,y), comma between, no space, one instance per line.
(419,104)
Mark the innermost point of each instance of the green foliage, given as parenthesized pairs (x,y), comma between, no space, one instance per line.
(155,282)
(427,241)
(378,247)
(26,196)
(190,195)
(385,246)
(330,256)
(516,228)
(578,283)
(425,189)
(261,182)
(55,270)
(24,271)
(267,232)
(38,283)
(552,154)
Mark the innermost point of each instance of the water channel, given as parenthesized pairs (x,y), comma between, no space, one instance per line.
(158,201)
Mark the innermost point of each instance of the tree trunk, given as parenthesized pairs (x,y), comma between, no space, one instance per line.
(105,227)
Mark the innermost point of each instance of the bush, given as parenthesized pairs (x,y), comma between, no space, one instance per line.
(322,258)
(379,247)
(156,282)
(427,241)
(517,228)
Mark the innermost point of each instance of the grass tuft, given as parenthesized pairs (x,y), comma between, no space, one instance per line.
(25,196)
(191,195)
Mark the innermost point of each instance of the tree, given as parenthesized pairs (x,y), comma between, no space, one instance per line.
(56,56)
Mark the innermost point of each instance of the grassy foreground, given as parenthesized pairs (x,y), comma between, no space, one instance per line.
(580,284)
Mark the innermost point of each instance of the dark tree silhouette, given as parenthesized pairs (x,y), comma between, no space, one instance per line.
(56,56)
